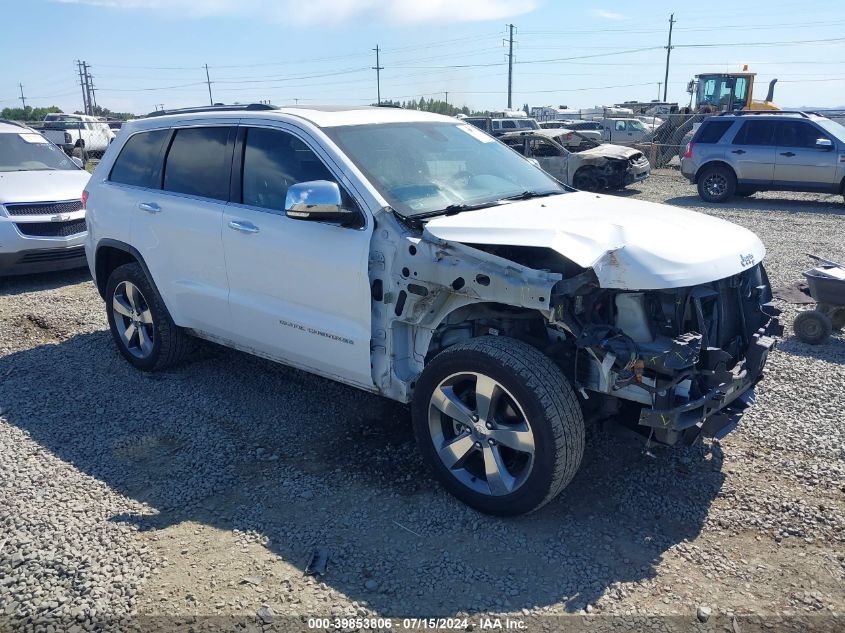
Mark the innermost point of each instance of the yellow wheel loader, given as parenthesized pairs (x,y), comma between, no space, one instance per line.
(723,92)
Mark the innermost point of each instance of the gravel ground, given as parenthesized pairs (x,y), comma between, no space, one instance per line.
(194,498)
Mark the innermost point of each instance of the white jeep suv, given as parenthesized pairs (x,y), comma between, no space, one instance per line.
(415,256)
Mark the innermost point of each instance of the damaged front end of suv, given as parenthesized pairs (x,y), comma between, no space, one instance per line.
(690,356)
(678,323)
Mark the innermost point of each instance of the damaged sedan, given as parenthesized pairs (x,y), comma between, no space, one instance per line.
(414,256)
(600,167)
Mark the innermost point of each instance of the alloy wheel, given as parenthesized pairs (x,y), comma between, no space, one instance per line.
(716,185)
(133,319)
(481,434)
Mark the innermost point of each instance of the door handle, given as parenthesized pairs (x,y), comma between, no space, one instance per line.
(787,153)
(243,227)
(737,151)
(149,207)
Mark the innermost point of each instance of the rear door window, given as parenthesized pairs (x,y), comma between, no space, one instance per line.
(712,131)
(138,162)
(199,162)
(756,133)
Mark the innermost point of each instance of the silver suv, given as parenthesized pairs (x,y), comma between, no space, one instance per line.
(745,152)
(42,215)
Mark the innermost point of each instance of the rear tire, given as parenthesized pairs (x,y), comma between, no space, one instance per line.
(812,327)
(140,324)
(716,183)
(498,425)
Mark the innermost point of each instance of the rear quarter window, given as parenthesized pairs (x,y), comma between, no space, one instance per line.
(138,161)
(712,131)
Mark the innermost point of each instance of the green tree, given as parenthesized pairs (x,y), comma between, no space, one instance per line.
(27,114)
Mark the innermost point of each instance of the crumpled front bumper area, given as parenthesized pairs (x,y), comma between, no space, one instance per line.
(728,393)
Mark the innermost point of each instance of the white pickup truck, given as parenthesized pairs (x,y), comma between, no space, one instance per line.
(89,134)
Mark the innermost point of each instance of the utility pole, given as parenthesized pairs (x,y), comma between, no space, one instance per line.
(208,81)
(510,65)
(378,70)
(82,83)
(93,92)
(447,102)
(87,80)
(659,83)
(23,99)
(668,52)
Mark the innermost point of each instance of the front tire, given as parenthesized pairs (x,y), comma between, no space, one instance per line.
(139,322)
(716,183)
(586,179)
(498,424)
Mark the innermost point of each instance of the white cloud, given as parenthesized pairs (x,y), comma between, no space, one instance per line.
(332,11)
(609,15)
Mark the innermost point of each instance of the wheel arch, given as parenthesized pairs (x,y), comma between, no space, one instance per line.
(467,321)
(109,255)
(712,163)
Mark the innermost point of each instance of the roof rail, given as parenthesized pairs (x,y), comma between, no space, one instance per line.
(217,107)
(804,114)
(10,122)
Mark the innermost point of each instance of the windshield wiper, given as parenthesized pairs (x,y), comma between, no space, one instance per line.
(452,209)
(527,195)
(459,207)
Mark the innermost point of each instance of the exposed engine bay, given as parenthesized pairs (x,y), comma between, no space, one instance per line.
(688,355)
(643,323)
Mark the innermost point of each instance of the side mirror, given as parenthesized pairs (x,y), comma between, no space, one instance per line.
(78,162)
(535,162)
(318,200)
(824,143)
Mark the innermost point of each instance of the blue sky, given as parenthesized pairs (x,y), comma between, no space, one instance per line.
(148,52)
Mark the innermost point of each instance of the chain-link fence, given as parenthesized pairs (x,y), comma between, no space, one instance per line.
(663,138)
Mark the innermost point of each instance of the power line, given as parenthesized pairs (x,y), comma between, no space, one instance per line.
(781,43)
(196,83)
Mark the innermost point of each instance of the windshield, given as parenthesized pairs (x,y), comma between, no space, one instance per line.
(29,151)
(834,127)
(424,167)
